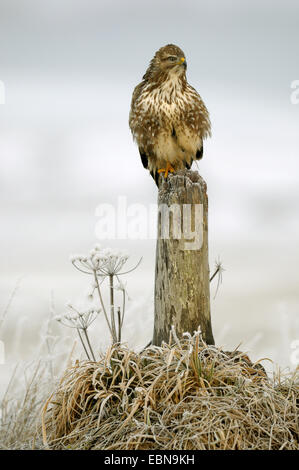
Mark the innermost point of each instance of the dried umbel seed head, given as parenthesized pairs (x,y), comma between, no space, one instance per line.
(74,318)
(102,261)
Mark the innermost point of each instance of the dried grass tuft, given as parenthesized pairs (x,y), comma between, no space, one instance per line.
(183,395)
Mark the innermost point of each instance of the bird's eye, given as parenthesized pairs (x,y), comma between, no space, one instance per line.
(172,58)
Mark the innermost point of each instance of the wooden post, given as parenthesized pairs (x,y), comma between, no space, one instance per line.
(182,287)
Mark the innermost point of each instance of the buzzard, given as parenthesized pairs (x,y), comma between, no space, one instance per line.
(168,118)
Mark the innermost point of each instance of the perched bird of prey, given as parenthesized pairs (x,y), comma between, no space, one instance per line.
(168,118)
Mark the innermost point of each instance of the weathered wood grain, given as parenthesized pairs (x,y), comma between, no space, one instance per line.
(182,289)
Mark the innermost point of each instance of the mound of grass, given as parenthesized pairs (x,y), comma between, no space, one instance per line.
(183,395)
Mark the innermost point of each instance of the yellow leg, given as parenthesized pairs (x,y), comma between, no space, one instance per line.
(166,170)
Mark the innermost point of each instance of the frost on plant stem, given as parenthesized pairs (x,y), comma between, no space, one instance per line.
(81,321)
(102,264)
(219,269)
(104,261)
(75,319)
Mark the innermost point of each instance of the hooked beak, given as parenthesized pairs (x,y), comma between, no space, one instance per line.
(182,61)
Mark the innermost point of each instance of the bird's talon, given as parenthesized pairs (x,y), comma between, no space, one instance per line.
(166,170)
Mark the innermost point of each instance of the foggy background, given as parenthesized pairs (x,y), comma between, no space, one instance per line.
(69,68)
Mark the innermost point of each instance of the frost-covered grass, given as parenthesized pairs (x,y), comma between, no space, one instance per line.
(184,395)
(21,407)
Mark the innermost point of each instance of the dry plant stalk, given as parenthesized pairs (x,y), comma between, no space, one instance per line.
(101,264)
(182,395)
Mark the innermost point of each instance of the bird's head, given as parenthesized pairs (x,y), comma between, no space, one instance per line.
(168,60)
